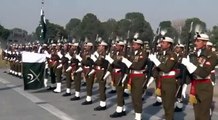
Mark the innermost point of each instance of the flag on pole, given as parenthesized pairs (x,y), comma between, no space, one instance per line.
(33,70)
(43,25)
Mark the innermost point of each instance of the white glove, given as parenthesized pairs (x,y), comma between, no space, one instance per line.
(69,68)
(78,57)
(154,59)
(68,56)
(213,83)
(109,59)
(93,58)
(151,79)
(60,55)
(59,66)
(91,72)
(127,62)
(190,66)
(106,75)
(48,55)
(79,70)
(184,88)
(96,54)
(124,78)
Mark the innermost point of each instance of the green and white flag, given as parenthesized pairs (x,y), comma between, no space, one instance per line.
(33,70)
(43,26)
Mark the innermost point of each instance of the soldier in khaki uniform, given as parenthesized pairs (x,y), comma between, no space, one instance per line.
(200,66)
(19,59)
(52,64)
(181,77)
(58,69)
(119,74)
(167,84)
(68,56)
(62,66)
(88,64)
(101,72)
(136,64)
(209,46)
(76,70)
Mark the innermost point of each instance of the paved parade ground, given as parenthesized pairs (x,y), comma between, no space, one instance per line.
(17,104)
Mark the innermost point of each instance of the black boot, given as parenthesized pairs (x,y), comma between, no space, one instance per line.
(50,88)
(99,108)
(116,114)
(112,91)
(157,104)
(87,103)
(75,98)
(84,84)
(66,94)
(125,94)
(178,109)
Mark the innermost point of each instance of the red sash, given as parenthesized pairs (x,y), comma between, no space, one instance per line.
(195,82)
(133,75)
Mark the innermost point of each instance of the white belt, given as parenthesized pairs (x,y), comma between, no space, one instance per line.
(99,68)
(86,67)
(117,70)
(137,71)
(169,73)
(198,77)
(213,71)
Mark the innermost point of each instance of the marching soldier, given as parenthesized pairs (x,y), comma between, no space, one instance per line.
(45,50)
(166,82)
(155,77)
(119,74)
(137,65)
(76,70)
(113,88)
(209,46)
(181,78)
(88,65)
(52,64)
(59,67)
(200,66)
(67,70)
(19,59)
(101,72)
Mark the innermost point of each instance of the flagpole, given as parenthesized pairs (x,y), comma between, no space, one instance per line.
(42,23)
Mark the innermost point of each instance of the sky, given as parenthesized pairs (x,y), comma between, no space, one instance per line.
(25,14)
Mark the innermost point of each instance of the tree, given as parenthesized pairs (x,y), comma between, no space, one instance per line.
(90,27)
(186,28)
(4,33)
(123,26)
(109,29)
(138,24)
(73,28)
(171,32)
(214,36)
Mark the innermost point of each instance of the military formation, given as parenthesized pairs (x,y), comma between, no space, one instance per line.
(131,68)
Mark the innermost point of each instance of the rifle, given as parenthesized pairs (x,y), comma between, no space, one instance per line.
(123,66)
(183,70)
(106,64)
(150,64)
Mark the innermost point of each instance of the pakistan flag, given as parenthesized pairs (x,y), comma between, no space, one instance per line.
(33,70)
